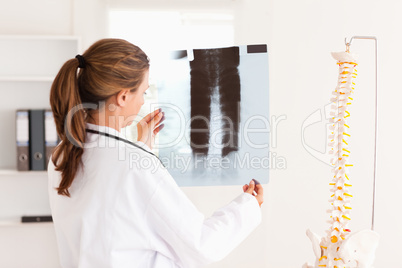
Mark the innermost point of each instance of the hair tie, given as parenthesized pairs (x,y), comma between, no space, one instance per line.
(81,61)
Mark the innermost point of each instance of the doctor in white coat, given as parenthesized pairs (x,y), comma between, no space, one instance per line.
(113,203)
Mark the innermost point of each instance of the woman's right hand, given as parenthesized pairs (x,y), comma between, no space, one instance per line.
(255,188)
(149,126)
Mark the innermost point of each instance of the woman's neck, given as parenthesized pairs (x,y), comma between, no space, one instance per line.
(106,118)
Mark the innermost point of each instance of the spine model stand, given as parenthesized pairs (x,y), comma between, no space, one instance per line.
(341,248)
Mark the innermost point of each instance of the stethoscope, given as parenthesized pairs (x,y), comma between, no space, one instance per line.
(123,140)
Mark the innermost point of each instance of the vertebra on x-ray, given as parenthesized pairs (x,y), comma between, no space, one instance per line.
(215,90)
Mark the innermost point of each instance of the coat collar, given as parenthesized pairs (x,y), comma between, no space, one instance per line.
(105,129)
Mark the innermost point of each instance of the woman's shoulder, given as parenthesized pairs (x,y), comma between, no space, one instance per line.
(134,158)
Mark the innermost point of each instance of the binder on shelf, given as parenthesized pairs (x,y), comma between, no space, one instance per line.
(37,154)
(36,137)
(22,138)
(51,137)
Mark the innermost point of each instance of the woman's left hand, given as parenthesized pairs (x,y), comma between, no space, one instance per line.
(255,189)
(149,126)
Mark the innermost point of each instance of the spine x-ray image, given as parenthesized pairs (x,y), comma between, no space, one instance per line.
(214,72)
(216,108)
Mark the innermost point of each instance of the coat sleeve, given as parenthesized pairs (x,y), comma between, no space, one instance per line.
(197,241)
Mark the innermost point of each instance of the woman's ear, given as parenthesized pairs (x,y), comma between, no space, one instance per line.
(121,97)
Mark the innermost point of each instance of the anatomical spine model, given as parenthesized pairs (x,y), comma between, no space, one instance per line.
(340,248)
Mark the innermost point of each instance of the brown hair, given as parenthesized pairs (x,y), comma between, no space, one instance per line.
(110,66)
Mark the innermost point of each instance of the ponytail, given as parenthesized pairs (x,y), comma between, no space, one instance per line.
(107,67)
(64,96)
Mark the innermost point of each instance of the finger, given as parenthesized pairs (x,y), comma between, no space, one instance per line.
(245,186)
(256,182)
(141,128)
(159,128)
(162,119)
(151,115)
(155,120)
(259,190)
(250,189)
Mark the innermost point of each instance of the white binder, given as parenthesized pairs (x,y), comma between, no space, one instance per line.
(51,137)
(22,139)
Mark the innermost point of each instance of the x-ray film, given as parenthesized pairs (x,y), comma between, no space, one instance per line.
(217,115)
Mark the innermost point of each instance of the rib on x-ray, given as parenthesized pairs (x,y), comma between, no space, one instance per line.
(214,73)
(217,115)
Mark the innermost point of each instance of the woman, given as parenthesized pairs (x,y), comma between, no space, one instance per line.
(109,210)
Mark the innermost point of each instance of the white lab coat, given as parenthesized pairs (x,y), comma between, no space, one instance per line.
(126,210)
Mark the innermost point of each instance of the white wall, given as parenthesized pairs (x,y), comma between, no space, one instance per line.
(302,75)
(300,34)
(36,17)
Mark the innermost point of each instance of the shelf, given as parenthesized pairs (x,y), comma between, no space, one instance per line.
(26,78)
(32,63)
(13,172)
(39,37)
(38,57)
(17,223)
